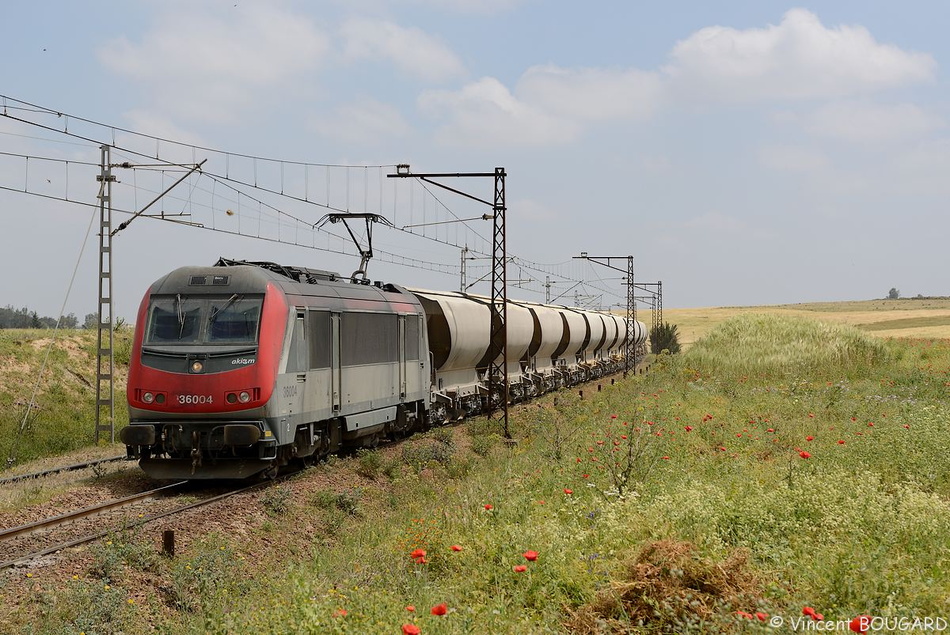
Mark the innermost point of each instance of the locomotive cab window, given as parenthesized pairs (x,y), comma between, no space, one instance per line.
(234,320)
(215,320)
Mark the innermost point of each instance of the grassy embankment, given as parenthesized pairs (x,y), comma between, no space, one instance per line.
(778,463)
(61,382)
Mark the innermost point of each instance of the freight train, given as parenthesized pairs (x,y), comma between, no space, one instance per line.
(239,368)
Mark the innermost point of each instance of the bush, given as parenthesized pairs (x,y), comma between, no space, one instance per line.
(665,337)
(368,463)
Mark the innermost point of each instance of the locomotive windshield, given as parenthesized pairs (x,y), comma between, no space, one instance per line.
(183,319)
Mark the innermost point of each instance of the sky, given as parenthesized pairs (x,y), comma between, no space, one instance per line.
(744,152)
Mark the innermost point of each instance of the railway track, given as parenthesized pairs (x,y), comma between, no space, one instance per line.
(65,468)
(26,543)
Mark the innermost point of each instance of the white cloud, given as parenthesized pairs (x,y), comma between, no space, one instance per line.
(486,114)
(157,125)
(411,50)
(549,106)
(594,94)
(865,122)
(210,62)
(798,59)
(361,122)
(484,7)
(530,210)
(793,159)
(931,155)
(716,224)
(656,163)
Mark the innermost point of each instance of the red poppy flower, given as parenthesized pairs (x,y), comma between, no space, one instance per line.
(540,502)
(748,616)
(410,629)
(906,427)
(870,424)
(804,455)
(440,609)
(418,553)
(568,491)
(761,616)
(665,458)
(811,415)
(455,548)
(421,560)
(340,613)
(860,624)
(530,555)
(807,610)
(519,568)
(689,428)
(809,438)
(771,430)
(840,441)
(488,506)
(613,416)
(411,608)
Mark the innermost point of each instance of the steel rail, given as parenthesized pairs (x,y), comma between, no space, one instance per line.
(54,521)
(67,468)
(142,521)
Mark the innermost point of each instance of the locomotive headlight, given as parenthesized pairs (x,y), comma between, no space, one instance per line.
(197,367)
(148,397)
(244,397)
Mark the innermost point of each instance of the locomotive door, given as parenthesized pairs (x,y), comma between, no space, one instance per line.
(402,356)
(335,387)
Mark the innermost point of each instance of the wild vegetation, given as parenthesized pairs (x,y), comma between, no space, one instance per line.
(48,390)
(779,469)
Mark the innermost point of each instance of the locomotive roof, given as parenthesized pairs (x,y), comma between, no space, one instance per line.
(243,277)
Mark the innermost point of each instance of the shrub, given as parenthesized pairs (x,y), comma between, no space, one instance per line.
(276,501)
(368,463)
(664,337)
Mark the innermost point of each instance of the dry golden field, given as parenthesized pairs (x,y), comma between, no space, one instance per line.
(907,318)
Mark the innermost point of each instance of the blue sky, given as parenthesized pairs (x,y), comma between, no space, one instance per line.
(745,153)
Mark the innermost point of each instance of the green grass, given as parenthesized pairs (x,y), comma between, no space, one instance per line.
(906,323)
(716,483)
(60,382)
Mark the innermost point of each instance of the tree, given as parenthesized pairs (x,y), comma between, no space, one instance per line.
(893,294)
(91,321)
(665,337)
